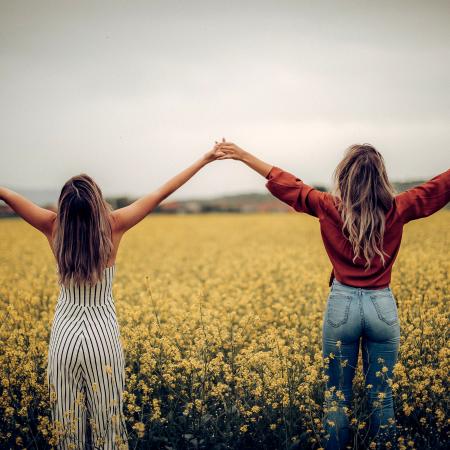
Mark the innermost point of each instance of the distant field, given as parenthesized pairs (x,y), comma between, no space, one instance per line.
(221,321)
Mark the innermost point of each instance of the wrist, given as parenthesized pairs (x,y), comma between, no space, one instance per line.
(204,160)
(245,157)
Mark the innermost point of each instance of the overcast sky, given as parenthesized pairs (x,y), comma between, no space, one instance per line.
(131,92)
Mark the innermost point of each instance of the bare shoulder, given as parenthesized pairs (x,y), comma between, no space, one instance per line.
(115,223)
(51,225)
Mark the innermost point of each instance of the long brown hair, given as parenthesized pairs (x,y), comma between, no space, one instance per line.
(365,194)
(83,240)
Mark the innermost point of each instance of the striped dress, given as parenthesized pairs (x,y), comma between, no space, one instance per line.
(86,368)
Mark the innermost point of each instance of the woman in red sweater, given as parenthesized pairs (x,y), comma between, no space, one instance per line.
(361,225)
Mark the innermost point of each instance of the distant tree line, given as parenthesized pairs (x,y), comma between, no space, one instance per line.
(240,203)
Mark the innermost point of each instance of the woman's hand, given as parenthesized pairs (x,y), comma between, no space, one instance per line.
(231,151)
(213,154)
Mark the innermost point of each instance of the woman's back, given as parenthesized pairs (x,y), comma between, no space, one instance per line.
(412,204)
(84,294)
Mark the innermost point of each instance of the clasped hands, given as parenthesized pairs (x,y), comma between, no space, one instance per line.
(225,150)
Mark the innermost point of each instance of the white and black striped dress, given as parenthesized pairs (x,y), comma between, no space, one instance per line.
(86,367)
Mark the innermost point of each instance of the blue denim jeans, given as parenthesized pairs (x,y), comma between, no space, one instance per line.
(354,317)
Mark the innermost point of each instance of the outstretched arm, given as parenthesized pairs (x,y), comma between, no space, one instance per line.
(38,217)
(426,199)
(127,217)
(283,185)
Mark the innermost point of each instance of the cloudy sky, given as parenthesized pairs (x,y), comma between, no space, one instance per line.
(131,92)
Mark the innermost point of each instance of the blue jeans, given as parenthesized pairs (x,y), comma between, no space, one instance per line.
(370,317)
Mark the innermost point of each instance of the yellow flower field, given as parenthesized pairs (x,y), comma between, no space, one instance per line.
(221,321)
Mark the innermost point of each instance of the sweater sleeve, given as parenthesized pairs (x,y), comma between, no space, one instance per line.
(292,191)
(424,200)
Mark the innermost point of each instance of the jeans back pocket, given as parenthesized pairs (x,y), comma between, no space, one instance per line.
(385,307)
(338,306)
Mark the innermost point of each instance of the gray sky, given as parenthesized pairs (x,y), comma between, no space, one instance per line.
(131,92)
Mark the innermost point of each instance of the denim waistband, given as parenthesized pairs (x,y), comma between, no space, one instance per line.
(338,284)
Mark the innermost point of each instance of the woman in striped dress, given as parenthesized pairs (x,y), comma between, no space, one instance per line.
(86,361)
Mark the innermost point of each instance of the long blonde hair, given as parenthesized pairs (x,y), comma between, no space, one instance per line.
(365,195)
(83,240)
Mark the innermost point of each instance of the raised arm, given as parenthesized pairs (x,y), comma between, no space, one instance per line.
(283,185)
(424,200)
(127,217)
(40,218)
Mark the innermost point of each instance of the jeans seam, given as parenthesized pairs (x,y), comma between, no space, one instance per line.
(361,312)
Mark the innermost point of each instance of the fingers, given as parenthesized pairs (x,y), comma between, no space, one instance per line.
(217,150)
(225,145)
(228,149)
(224,142)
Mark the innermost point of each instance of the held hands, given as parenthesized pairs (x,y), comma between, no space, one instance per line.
(224,150)
(228,150)
(231,151)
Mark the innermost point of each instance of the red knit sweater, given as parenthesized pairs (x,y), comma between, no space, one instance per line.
(415,203)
